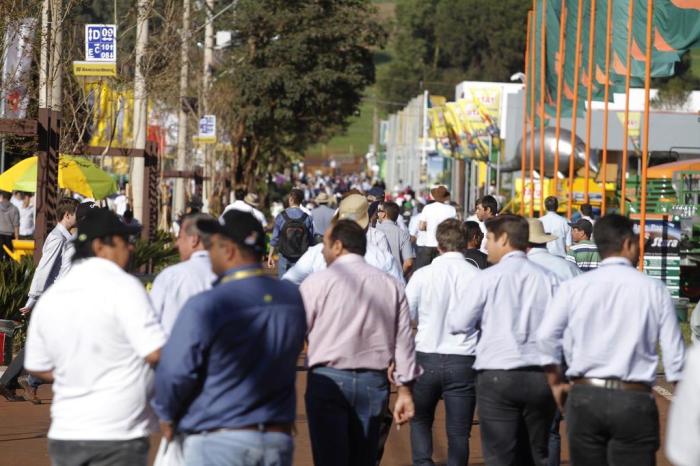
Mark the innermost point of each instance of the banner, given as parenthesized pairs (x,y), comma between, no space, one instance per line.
(634,125)
(16,69)
(112,111)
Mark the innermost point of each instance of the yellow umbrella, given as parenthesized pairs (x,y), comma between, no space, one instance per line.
(77,174)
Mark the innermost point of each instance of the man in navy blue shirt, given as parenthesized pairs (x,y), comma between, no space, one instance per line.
(226,376)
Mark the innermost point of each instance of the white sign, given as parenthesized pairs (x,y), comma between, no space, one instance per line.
(207,129)
(101,42)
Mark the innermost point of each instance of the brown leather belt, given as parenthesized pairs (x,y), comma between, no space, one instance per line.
(279,428)
(613,384)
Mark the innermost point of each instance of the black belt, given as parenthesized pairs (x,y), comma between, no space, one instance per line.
(613,384)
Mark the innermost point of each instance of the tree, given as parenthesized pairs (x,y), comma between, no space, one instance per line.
(294,79)
(438,43)
(674,91)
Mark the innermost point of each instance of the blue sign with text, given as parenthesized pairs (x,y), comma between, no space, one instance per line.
(101,42)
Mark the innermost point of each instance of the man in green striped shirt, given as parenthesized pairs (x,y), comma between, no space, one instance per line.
(584,252)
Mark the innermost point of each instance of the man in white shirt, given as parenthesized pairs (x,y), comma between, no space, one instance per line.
(247,203)
(353,207)
(26,218)
(683,427)
(434,292)
(178,283)
(95,336)
(507,303)
(555,224)
(121,203)
(537,252)
(486,208)
(614,318)
(431,216)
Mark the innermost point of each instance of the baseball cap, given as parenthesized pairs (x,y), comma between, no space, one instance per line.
(100,223)
(583,225)
(240,227)
(83,209)
(376,192)
(354,207)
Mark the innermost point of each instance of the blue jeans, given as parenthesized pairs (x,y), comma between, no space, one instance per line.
(283,264)
(345,409)
(449,377)
(239,448)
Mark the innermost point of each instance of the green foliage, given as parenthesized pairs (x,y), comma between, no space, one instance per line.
(439,43)
(15,278)
(161,252)
(297,76)
(674,91)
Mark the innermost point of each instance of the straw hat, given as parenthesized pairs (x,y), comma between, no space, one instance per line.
(323,198)
(537,234)
(251,199)
(353,207)
(440,193)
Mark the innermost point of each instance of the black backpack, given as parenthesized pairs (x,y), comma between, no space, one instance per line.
(294,237)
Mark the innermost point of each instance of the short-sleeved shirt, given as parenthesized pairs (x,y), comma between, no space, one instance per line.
(434,214)
(399,241)
(93,329)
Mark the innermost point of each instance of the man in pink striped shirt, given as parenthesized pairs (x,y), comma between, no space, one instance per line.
(358,325)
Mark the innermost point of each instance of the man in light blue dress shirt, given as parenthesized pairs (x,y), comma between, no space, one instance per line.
(613,317)
(507,303)
(178,283)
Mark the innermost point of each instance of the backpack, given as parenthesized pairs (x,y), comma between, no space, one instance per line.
(294,237)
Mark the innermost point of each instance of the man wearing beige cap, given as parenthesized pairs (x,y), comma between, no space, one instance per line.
(321,216)
(539,254)
(354,207)
(432,215)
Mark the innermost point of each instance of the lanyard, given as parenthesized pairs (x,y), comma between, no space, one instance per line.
(241,274)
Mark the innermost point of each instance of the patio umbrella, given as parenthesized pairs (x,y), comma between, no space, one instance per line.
(77,174)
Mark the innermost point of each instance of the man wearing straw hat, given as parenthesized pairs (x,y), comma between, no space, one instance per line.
(432,215)
(539,254)
(321,215)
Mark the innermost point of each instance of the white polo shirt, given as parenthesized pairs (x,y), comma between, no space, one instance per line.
(434,214)
(93,329)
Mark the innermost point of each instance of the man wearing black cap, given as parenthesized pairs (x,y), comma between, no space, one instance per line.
(226,376)
(95,335)
(584,252)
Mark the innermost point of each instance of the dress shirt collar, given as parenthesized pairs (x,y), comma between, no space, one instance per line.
(64,231)
(512,255)
(451,255)
(617,260)
(199,255)
(348,259)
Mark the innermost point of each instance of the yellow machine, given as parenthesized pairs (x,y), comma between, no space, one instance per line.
(595,193)
(22,248)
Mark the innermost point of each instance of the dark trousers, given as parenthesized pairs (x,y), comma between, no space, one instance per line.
(449,377)
(345,410)
(612,427)
(99,452)
(424,256)
(6,240)
(554,452)
(14,370)
(516,409)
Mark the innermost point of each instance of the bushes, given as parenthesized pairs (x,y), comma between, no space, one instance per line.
(159,253)
(15,278)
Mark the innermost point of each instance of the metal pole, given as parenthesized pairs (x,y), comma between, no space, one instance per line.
(179,192)
(543,71)
(136,180)
(628,73)
(206,87)
(533,62)
(645,135)
(574,119)
(560,82)
(604,164)
(589,99)
(523,141)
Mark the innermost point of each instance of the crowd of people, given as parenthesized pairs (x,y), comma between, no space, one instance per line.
(525,321)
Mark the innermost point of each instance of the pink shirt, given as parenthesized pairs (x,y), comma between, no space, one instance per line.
(358,318)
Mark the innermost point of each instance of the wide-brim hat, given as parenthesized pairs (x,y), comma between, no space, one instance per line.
(440,193)
(251,199)
(537,233)
(354,207)
(323,198)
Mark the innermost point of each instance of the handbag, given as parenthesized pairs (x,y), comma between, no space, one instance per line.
(170,453)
